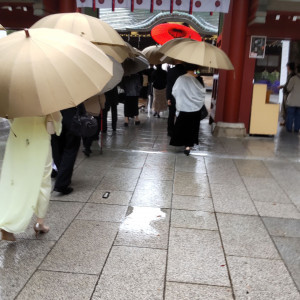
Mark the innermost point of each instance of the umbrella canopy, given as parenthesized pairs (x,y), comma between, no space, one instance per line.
(92,29)
(118,72)
(165,32)
(153,55)
(135,65)
(119,53)
(199,53)
(1,27)
(47,70)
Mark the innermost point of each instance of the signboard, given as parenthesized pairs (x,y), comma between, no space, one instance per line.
(257,46)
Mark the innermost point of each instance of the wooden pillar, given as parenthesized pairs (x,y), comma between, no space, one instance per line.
(234,44)
(67,6)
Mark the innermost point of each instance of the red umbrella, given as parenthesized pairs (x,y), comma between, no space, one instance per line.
(165,32)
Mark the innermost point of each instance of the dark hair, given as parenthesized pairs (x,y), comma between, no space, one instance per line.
(298,68)
(190,67)
(291,65)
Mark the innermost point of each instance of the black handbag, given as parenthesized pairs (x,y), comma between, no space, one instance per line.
(84,124)
(203,113)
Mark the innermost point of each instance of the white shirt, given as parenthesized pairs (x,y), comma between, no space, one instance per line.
(189,93)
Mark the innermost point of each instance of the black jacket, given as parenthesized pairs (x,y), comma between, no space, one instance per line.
(172,76)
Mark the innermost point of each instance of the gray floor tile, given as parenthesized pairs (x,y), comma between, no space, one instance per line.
(193,219)
(192,184)
(145,227)
(115,197)
(111,182)
(56,285)
(277,210)
(265,189)
(246,236)
(120,173)
(190,257)
(154,193)
(80,194)
(289,249)
(132,273)
(102,212)
(283,227)
(18,262)
(162,161)
(261,279)
(135,160)
(252,168)
(157,173)
(232,199)
(58,218)
(190,164)
(83,248)
(183,291)
(192,203)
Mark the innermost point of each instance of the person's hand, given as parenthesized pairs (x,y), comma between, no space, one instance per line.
(169,102)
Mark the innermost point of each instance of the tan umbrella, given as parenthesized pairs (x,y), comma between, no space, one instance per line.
(91,28)
(119,53)
(47,70)
(199,53)
(1,27)
(153,55)
(135,65)
(118,72)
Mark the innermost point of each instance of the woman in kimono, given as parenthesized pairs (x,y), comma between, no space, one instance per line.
(189,94)
(25,183)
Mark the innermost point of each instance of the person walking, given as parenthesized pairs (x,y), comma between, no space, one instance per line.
(25,184)
(159,79)
(291,72)
(189,94)
(93,106)
(65,149)
(293,103)
(172,76)
(132,85)
(112,101)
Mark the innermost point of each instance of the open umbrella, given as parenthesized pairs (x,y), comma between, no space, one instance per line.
(199,53)
(118,72)
(47,70)
(119,53)
(153,55)
(135,65)
(163,33)
(91,28)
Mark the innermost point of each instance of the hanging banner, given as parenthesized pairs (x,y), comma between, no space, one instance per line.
(103,4)
(190,6)
(161,4)
(211,5)
(84,3)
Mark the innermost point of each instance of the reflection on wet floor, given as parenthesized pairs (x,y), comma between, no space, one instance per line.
(172,228)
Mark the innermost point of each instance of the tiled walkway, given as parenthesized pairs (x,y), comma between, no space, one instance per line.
(223,223)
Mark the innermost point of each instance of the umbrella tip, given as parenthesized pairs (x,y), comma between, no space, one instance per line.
(27,32)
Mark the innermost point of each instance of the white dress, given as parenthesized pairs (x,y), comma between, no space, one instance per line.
(25,182)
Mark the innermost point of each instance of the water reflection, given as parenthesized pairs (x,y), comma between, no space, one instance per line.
(142,220)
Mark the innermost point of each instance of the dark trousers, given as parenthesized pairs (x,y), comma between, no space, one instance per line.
(114,116)
(171,119)
(64,151)
(293,118)
(88,141)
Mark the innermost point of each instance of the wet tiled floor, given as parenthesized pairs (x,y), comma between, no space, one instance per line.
(223,223)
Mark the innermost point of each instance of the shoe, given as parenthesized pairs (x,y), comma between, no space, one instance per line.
(158,116)
(187,152)
(39,228)
(155,114)
(87,152)
(7,236)
(54,173)
(65,191)
(125,124)
(137,122)
(282,124)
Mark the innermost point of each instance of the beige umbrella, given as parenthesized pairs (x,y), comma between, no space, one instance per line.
(153,55)
(91,28)
(199,53)
(119,53)
(135,65)
(46,70)
(1,27)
